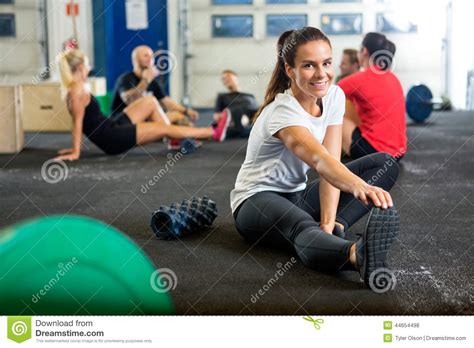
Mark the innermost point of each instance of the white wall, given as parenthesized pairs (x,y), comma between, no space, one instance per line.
(418,58)
(60,28)
(462,50)
(175,82)
(20,57)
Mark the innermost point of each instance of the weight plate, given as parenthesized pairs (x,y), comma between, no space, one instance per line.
(418,103)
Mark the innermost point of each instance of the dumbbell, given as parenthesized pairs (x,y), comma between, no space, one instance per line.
(173,221)
(420,103)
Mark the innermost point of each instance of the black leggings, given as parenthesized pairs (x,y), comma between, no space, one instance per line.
(291,219)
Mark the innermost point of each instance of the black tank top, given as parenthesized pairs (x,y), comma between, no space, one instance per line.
(94,120)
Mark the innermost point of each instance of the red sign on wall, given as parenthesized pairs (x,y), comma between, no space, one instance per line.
(68,9)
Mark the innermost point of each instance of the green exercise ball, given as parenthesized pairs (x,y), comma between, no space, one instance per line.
(74,265)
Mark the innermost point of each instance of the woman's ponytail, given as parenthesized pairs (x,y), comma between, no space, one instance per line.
(279,81)
(68,61)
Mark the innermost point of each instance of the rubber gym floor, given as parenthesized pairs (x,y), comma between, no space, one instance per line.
(218,273)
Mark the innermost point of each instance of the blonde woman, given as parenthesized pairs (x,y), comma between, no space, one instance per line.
(142,122)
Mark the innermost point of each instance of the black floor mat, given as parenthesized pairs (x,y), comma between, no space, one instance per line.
(218,273)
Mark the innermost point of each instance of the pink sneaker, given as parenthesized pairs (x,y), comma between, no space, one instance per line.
(174,144)
(221,129)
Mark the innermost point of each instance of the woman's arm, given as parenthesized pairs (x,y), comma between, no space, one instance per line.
(77,110)
(303,144)
(328,194)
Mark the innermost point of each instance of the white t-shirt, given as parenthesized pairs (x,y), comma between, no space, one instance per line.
(269,165)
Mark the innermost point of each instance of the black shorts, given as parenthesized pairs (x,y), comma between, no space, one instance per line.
(120,119)
(120,136)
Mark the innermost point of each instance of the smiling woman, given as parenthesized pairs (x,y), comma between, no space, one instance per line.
(281,77)
(299,128)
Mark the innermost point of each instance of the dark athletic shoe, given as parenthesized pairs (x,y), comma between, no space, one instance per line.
(380,232)
(189,146)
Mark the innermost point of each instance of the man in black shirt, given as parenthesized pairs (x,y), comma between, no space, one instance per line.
(243,106)
(143,81)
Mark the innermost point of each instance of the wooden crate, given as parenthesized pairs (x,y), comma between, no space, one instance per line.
(12,138)
(42,108)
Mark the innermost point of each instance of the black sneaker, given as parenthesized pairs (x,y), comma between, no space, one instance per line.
(380,232)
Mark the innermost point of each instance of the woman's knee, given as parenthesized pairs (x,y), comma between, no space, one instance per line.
(391,164)
(273,218)
(149,100)
(379,158)
(386,164)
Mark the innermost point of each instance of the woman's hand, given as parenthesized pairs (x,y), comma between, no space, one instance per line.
(379,197)
(307,148)
(68,157)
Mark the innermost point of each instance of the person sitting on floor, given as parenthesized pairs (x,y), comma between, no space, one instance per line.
(242,106)
(374,119)
(349,63)
(143,81)
(142,122)
(298,129)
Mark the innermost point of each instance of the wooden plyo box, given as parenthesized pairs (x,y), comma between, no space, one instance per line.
(12,138)
(42,108)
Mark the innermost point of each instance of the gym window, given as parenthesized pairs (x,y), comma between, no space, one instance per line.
(395,23)
(232,26)
(342,24)
(273,2)
(232,2)
(7,25)
(277,24)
